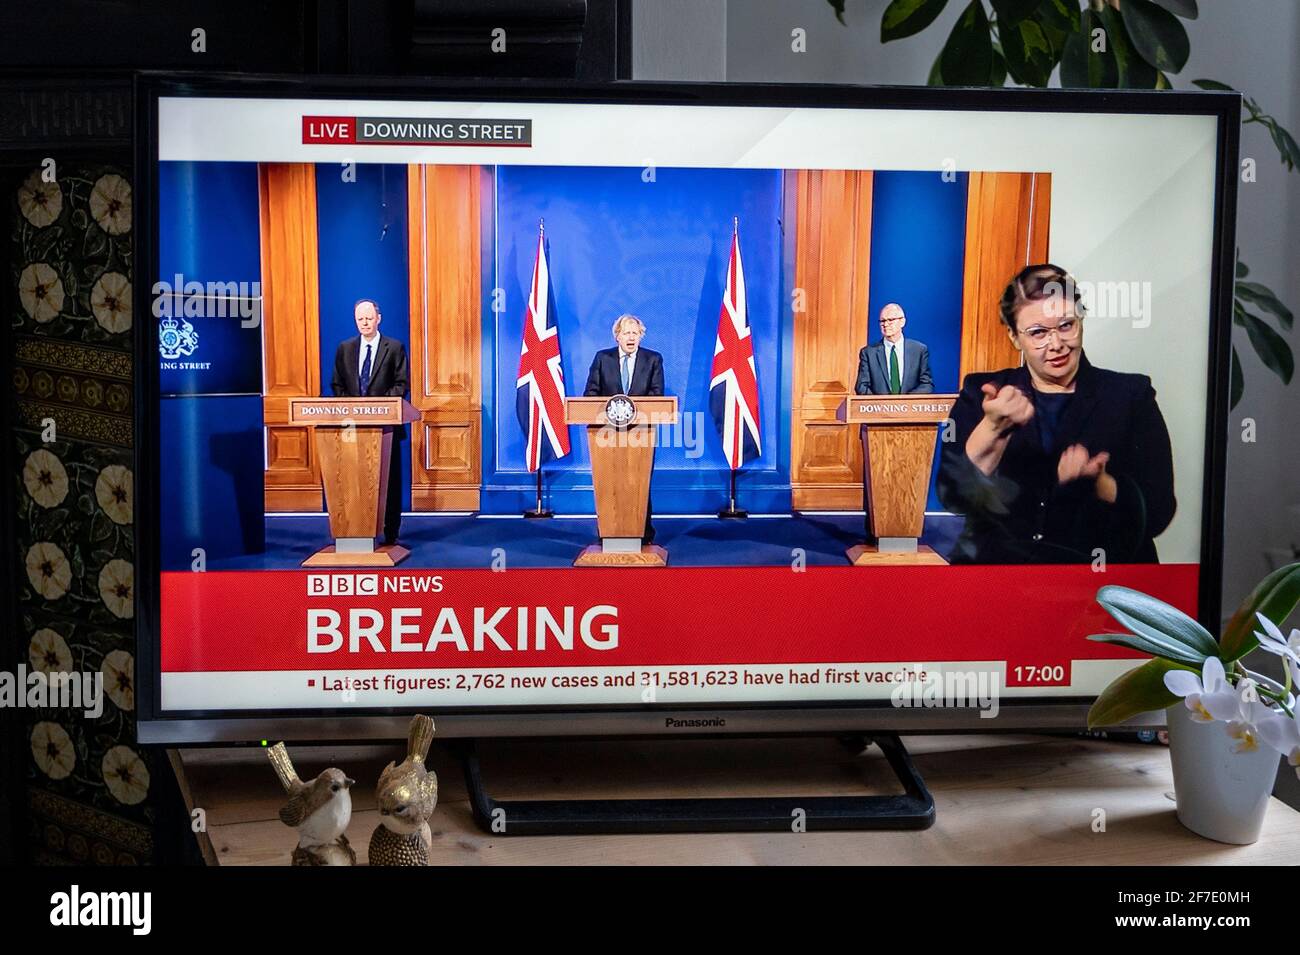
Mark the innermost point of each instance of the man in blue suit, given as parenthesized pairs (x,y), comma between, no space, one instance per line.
(894,365)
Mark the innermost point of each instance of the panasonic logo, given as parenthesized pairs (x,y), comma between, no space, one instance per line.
(670,723)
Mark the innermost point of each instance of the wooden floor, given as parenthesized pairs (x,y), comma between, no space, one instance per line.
(1001,800)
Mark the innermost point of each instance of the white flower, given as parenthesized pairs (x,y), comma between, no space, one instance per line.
(48,570)
(110,300)
(46,478)
(114,492)
(41,291)
(117,588)
(1282,733)
(110,204)
(48,652)
(52,750)
(125,774)
(40,201)
(1245,728)
(1209,697)
(1272,641)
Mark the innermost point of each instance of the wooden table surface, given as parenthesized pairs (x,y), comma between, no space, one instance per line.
(1000,799)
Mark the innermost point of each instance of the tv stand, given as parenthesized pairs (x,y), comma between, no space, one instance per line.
(912,809)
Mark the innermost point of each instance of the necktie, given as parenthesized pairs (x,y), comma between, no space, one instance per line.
(895,380)
(365,371)
(627,378)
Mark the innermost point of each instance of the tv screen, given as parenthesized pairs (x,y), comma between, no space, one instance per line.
(551,409)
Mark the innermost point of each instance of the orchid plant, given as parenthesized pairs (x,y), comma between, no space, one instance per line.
(1208,675)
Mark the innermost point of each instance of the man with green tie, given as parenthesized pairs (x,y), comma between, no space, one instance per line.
(894,365)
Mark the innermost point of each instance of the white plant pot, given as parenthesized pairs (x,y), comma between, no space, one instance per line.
(1221,794)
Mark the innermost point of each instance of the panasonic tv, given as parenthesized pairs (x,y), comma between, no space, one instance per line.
(667,409)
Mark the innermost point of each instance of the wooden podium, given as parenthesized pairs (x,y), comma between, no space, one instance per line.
(898,434)
(353,438)
(621,435)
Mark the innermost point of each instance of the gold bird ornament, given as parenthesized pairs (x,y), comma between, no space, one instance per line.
(320,810)
(407,795)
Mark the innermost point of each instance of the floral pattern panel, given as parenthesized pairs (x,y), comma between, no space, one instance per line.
(88,790)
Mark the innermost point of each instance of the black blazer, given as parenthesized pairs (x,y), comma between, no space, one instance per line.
(388,372)
(605,380)
(1021,514)
(914,375)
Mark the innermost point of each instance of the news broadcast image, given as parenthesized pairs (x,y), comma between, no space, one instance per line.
(470,405)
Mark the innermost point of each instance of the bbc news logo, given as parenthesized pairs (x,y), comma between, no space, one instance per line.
(342,585)
(415,131)
(370,585)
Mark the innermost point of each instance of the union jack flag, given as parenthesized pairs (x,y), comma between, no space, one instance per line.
(733,386)
(539,398)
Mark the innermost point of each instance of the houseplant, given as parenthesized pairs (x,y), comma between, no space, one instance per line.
(1227,724)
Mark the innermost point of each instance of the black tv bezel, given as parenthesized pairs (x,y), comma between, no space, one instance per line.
(1017,715)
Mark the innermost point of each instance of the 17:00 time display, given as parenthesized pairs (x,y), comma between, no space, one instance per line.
(1040,674)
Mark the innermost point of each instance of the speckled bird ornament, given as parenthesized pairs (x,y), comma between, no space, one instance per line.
(406,797)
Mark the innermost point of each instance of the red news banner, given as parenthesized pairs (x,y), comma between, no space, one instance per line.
(308,627)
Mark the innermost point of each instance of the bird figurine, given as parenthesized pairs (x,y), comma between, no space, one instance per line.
(406,797)
(320,810)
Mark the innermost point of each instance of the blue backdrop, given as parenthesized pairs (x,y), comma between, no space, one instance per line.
(918,254)
(361,235)
(659,250)
(211,442)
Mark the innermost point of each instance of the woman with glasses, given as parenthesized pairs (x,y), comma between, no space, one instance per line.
(1056,461)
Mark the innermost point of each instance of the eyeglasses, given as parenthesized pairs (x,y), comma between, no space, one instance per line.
(896,318)
(1040,336)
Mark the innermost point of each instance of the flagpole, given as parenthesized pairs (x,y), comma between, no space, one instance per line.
(731,512)
(538,512)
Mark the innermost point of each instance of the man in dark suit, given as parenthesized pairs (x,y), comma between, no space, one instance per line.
(627,369)
(374,365)
(894,365)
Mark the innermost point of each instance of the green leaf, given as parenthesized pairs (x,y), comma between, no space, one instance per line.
(1262,296)
(936,76)
(1139,690)
(1155,619)
(1242,271)
(1011,11)
(1184,8)
(1276,596)
(838,7)
(1158,36)
(1028,53)
(1271,347)
(1284,141)
(903,18)
(1083,66)
(967,57)
(1133,71)
(1213,85)
(999,75)
(1162,650)
(1059,19)
(1237,383)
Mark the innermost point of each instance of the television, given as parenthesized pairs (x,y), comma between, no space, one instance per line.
(667,408)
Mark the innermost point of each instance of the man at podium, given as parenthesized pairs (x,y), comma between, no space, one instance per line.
(894,365)
(374,365)
(627,369)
